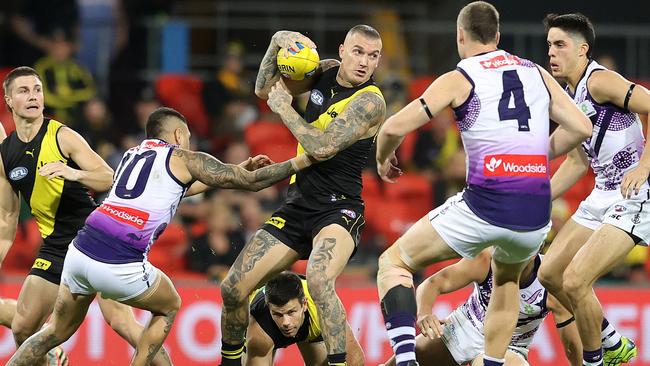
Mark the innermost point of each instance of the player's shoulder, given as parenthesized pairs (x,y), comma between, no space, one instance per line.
(603,79)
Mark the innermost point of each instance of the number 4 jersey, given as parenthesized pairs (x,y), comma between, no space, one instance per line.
(141,203)
(504,126)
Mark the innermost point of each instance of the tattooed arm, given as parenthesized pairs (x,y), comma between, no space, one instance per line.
(191,166)
(365,111)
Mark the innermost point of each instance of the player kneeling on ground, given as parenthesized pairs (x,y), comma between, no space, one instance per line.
(459,339)
(283,313)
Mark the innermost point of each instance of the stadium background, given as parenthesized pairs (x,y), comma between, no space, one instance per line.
(107,63)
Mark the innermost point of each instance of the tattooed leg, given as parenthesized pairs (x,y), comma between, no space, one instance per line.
(152,338)
(332,249)
(163,302)
(263,257)
(69,312)
(121,318)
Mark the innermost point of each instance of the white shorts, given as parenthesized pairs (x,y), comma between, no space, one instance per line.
(468,234)
(465,342)
(609,207)
(120,282)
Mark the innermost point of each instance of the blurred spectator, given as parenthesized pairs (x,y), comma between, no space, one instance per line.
(38,24)
(103,32)
(67,84)
(228,98)
(214,252)
(434,148)
(608,61)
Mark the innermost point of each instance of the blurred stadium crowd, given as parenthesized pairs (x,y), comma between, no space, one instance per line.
(88,75)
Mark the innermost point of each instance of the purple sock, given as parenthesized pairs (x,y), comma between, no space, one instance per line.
(401,331)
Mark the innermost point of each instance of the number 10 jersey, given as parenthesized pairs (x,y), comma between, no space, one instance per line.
(504,126)
(140,205)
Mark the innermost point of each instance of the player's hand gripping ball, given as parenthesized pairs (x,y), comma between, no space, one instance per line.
(298,62)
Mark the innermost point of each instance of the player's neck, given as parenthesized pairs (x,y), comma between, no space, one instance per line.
(474,49)
(26,129)
(574,77)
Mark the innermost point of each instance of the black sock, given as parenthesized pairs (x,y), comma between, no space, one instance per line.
(336,359)
(231,354)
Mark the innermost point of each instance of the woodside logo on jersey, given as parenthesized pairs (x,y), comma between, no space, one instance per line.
(500,61)
(515,166)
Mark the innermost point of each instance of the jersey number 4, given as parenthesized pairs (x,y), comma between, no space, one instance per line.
(143,171)
(514,90)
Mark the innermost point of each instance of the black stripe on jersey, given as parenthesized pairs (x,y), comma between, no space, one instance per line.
(607,118)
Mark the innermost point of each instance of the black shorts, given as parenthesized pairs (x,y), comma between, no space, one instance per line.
(49,263)
(296,224)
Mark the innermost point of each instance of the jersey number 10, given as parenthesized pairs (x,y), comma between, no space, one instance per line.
(124,173)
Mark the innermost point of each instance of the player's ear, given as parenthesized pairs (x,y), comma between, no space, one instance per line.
(341,51)
(583,49)
(8,102)
(498,37)
(178,136)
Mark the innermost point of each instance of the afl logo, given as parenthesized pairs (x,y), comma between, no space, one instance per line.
(316,97)
(18,173)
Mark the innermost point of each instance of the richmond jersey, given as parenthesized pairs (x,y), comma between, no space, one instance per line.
(616,144)
(60,206)
(532,306)
(140,205)
(504,126)
(338,178)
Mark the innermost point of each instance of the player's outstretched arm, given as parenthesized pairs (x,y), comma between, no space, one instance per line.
(93,171)
(574,128)
(252,163)
(209,170)
(568,331)
(9,210)
(570,171)
(608,86)
(365,111)
(259,346)
(448,279)
(268,73)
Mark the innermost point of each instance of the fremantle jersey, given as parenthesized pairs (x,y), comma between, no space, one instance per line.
(504,126)
(141,203)
(616,143)
(532,306)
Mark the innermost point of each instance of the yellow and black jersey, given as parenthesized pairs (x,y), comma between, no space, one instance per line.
(308,332)
(338,178)
(59,206)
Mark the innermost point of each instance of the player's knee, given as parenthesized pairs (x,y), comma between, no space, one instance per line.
(175,304)
(319,285)
(391,268)
(22,328)
(550,279)
(573,285)
(231,293)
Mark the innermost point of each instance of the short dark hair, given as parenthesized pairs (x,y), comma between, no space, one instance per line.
(157,118)
(575,23)
(365,30)
(283,288)
(16,73)
(481,20)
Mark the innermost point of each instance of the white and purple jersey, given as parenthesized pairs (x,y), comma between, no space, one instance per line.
(140,205)
(617,142)
(504,126)
(532,306)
